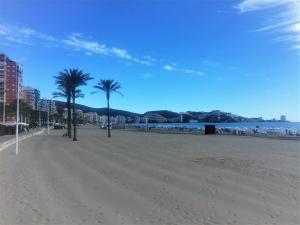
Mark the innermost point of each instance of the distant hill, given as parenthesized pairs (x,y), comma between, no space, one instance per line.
(165,113)
(100,111)
(213,116)
(217,116)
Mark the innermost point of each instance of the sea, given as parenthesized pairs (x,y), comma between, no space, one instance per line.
(282,126)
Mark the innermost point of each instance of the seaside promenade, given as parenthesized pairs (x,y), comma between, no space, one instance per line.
(150,178)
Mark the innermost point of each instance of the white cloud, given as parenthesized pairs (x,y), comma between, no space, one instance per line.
(172,67)
(285,25)
(193,72)
(77,42)
(149,58)
(296,46)
(169,68)
(253,5)
(293,28)
(122,53)
(26,36)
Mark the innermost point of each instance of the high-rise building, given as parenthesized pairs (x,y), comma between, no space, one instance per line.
(46,105)
(10,77)
(282,118)
(91,117)
(10,74)
(28,96)
(37,98)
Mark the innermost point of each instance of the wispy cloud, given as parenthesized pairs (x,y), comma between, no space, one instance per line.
(173,67)
(26,36)
(75,41)
(88,53)
(169,68)
(253,5)
(285,25)
(78,42)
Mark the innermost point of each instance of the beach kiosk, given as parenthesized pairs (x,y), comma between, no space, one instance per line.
(210,129)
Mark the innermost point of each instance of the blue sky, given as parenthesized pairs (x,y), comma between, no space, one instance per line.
(237,56)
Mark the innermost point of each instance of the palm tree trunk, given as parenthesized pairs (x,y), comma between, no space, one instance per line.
(74,119)
(108,119)
(69,117)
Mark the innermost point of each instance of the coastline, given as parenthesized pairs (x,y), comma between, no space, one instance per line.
(218,131)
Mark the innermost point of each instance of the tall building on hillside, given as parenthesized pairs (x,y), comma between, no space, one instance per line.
(28,96)
(10,76)
(46,105)
(283,118)
(91,117)
(79,114)
(154,118)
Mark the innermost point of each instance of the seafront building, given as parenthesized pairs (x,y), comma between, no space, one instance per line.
(91,117)
(37,98)
(115,121)
(28,96)
(283,118)
(103,121)
(154,118)
(46,105)
(119,119)
(11,74)
(79,114)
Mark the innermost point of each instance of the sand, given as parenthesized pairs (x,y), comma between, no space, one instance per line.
(150,178)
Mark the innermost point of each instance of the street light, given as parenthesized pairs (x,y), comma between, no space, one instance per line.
(17,117)
(48,101)
(48,119)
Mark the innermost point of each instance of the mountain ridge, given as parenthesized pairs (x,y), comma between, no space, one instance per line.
(212,116)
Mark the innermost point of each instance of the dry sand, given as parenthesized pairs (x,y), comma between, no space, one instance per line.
(149,178)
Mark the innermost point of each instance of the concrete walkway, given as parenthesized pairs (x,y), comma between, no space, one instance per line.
(7,140)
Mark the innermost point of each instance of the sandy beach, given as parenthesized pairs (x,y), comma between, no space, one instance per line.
(150,178)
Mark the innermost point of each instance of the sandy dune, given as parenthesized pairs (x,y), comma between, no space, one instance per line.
(148,178)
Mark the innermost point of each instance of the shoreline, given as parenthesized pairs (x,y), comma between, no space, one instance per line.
(200,133)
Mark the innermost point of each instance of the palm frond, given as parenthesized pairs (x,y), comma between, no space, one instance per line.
(57,94)
(108,87)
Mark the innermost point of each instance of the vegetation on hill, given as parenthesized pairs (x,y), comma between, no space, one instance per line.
(165,113)
(100,111)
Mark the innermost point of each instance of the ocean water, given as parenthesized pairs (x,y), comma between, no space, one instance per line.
(294,126)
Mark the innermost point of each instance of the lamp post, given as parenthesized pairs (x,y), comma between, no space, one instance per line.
(17,118)
(48,122)
(40,123)
(4,88)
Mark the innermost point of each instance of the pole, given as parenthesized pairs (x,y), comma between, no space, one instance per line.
(48,121)
(4,94)
(40,123)
(17,118)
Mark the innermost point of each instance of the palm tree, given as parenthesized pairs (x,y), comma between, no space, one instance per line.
(108,87)
(77,78)
(64,90)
